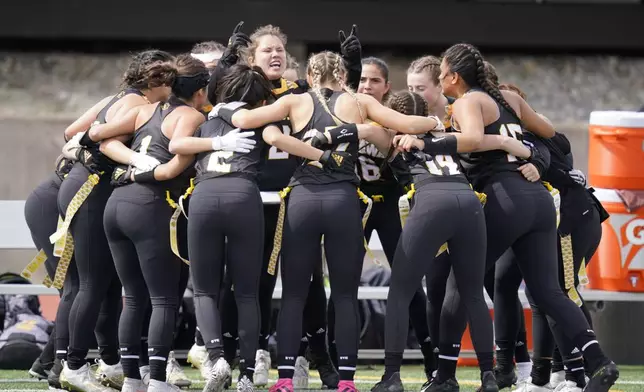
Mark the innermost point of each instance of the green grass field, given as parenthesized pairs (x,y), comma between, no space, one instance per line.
(631,380)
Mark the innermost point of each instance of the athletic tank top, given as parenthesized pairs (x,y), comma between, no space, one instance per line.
(150,140)
(277,165)
(309,173)
(481,166)
(370,161)
(211,164)
(434,168)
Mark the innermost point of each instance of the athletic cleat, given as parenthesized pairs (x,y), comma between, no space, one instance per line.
(393,384)
(245,385)
(505,380)
(40,370)
(54,375)
(488,382)
(133,385)
(283,385)
(347,386)
(301,373)
(322,362)
(175,374)
(158,386)
(145,374)
(197,356)
(557,378)
(567,386)
(528,386)
(110,375)
(450,385)
(603,378)
(229,382)
(218,374)
(262,366)
(204,370)
(81,380)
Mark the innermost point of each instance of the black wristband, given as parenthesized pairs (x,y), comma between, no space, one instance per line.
(147,176)
(86,141)
(346,133)
(444,145)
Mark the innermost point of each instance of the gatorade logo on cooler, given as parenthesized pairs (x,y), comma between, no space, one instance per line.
(630,234)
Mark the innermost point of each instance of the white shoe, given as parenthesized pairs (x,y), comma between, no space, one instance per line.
(158,386)
(245,385)
(568,386)
(217,376)
(81,380)
(523,371)
(528,386)
(175,374)
(197,356)
(557,378)
(110,375)
(301,374)
(145,374)
(205,368)
(262,366)
(133,385)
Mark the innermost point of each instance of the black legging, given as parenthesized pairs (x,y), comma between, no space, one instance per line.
(97,275)
(521,215)
(331,210)
(137,225)
(443,211)
(227,208)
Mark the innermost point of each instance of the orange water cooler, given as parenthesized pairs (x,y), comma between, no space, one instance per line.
(616,163)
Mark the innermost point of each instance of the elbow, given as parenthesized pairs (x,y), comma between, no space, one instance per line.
(473,142)
(103,147)
(94,134)
(240,120)
(271,138)
(174,147)
(549,132)
(70,132)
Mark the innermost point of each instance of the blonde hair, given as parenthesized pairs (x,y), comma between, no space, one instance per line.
(328,67)
(261,32)
(429,64)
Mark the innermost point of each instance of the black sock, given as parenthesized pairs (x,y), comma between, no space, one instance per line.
(505,357)
(593,354)
(263,342)
(575,371)
(486,362)
(347,366)
(143,357)
(109,355)
(557,361)
(304,343)
(429,360)
(247,368)
(317,342)
(541,368)
(229,350)
(131,367)
(61,354)
(447,361)
(76,359)
(286,366)
(393,361)
(157,369)
(521,353)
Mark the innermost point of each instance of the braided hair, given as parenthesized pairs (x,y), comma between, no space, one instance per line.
(408,103)
(467,61)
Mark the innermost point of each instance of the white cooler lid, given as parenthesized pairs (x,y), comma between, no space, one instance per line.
(617,118)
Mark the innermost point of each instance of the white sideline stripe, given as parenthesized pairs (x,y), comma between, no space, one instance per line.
(313,380)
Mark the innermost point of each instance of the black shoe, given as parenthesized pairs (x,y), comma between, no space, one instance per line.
(322,362)
(603,378)
(54,376)
(40,370)
(505,380)
(393,384)
(488,383)
(450,385)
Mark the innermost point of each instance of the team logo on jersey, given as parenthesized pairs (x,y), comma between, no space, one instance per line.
(165,106)
(337,158)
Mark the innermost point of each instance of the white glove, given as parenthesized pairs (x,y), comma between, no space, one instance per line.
(144,163)
(234,141)
(578,176)
(72,146)
(229,108)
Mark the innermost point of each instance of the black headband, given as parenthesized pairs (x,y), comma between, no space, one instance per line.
(185,86)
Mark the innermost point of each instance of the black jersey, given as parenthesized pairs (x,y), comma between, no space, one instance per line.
(426,167)
(213,164)
(100,118)
(481,166)
(311,172)
(277,165)
(150,140)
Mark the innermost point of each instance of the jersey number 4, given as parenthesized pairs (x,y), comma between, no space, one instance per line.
(443,165)
(514,131)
